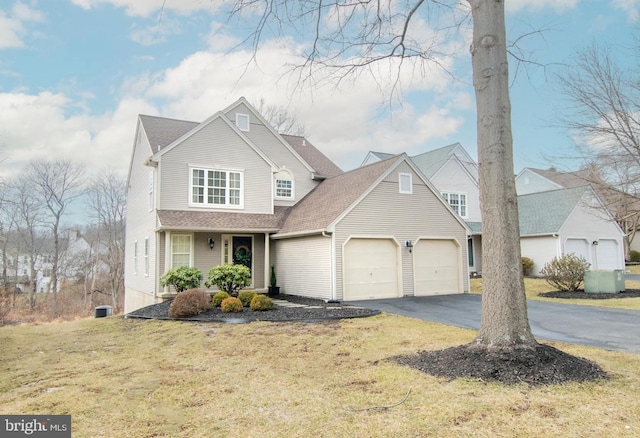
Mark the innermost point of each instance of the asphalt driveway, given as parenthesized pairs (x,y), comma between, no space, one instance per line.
(611,329)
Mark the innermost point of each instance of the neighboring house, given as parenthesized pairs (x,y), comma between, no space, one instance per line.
(624,208)
(232,190)
(552,223)
(455,175)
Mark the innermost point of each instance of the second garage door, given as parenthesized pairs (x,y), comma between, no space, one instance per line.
(370,269)
(436,267)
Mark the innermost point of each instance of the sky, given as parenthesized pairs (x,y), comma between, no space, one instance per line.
(75,74)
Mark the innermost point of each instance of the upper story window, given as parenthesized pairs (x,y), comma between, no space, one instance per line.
(405,183)
(146,256)
(216,188)
(457,201)
(242,122)
(135,257)
(151,191)
(284,185)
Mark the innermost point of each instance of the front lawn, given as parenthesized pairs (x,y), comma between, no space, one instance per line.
(146,378)
(535,286)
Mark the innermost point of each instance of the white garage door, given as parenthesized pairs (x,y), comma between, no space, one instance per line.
(370,269)
(579,247)
(608,255)
(436,267)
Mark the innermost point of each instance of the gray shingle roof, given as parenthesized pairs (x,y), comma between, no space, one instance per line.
(332,197)
(162,131)
(546,212)
(323,166)
(429,162)
(213,220)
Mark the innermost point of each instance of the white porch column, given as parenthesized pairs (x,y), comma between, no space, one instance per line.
(267,261)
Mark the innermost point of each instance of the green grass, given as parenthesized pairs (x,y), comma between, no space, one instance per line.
(122,377)
(535,286)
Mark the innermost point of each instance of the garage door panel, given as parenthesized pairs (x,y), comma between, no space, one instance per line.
(607,255)
(436,267)
(579,247)
(370,269)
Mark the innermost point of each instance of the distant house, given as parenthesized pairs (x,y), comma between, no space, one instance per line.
(554,220)
(232,190)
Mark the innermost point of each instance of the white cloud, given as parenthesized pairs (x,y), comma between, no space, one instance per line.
(144,8)
(12,26)
(631,7)
(156,33)
(557,5)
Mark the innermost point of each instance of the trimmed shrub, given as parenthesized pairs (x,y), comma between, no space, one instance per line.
(182,278)
(231,304)
(634,256)
(261,302)
(246,296)
(527,266)
(189,303)
(566,273)
(229,278)
(218,297)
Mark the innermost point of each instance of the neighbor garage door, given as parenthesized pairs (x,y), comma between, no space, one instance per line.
(608,255)
(370,269)
(579,247)
(436,267)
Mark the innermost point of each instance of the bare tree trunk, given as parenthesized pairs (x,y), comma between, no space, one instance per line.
(504,308)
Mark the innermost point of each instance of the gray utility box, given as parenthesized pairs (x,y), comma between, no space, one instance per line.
(604,281)
(102,311)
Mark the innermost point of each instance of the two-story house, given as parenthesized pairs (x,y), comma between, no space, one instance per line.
(554,219)
(232,190)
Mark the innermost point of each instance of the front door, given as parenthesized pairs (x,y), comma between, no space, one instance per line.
(238,250)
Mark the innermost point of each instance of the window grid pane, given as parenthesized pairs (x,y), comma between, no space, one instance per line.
(283,188)
(180,251)
(216,187)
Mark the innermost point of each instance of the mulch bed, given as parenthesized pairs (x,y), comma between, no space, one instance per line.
(581,294)
(320,311)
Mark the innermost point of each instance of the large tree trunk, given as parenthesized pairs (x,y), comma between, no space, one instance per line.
(504,307)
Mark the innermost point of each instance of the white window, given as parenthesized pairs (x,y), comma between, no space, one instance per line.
(457,201)
(151,191)
(180,250)
(284,188)
(405,183)
(135,257)
(146,256)
(216,188)
(242,122)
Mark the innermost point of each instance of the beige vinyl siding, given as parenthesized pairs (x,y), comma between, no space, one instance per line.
(453,178)
(216,146)
(140,224)
(303,266)
(404,216)
(279,153)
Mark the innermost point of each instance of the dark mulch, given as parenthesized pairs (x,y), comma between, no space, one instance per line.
(542,365)
(581,294)
(319,311)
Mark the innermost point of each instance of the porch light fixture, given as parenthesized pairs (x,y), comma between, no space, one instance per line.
(595,242)
(409,245)
(211,243)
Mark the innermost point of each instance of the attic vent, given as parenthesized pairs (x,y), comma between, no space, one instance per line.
(242,122)
(304,142)
(158,148)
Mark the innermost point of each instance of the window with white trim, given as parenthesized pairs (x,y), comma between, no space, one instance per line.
(180,250)
(457,201)
(242,122)
(146,256)
(216,188)
(405,183)
(135,257)
(284,188)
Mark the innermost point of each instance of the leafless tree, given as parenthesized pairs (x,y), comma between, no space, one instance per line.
(107,200)
(283,121)
(352,37)
(57,184)
(603,116)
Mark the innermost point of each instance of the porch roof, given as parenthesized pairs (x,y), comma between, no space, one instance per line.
(221,221)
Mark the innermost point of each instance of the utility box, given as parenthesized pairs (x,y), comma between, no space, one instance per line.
(610,282)
(102,311)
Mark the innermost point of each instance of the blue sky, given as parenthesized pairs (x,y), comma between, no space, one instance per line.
(74,75)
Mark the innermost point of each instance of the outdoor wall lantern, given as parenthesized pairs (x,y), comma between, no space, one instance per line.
(409,245)
(595,242)
(211,243)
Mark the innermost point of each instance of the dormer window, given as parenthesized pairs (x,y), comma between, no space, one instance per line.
(242,122)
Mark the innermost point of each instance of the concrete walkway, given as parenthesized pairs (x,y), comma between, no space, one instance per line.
(611,329)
